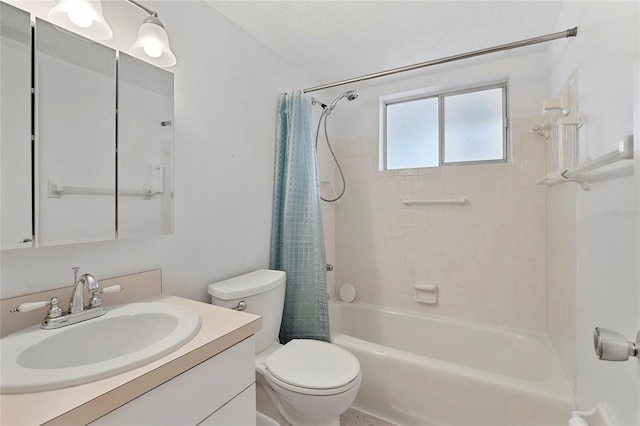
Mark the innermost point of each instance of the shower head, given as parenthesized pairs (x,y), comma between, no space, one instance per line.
(350,95)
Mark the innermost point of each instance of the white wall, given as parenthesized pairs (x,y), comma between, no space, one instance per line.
(488,258)
(226,90)
(607,284)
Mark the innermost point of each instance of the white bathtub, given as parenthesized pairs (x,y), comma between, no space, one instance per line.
(419,370)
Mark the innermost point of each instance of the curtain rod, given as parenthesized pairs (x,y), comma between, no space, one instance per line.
(572,32)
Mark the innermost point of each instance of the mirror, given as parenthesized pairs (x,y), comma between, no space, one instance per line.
(75,137)
(79,181)
(145,149)
(15,124)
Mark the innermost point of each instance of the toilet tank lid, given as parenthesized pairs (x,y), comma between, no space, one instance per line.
(250,284)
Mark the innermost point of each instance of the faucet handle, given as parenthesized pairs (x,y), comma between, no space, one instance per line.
(112,289)
(96,300)
(30,306)
(54,311)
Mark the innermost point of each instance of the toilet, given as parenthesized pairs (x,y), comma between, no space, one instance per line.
(310,382)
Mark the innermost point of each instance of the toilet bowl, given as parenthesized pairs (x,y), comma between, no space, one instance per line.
(309,382)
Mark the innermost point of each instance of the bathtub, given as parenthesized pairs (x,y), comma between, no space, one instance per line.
(419,370)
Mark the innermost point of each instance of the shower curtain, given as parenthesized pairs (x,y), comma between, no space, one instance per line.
(297,241)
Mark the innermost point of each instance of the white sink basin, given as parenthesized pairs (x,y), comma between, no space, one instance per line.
(124,338)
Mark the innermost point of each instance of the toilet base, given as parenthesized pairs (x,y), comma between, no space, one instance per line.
(264,420)
(275,407)
(264,403)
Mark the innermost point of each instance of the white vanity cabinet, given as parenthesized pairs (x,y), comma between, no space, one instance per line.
(218,391)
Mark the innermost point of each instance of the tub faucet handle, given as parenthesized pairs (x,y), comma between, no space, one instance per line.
(613,346)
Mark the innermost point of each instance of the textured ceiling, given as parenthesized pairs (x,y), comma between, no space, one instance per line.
(334,40)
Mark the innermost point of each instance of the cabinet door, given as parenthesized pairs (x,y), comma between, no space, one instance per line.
(15,128)
(145,148)
(194,395)
(240,411)
(75,137)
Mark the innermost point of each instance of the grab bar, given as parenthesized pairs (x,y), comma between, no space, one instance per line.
(460,200)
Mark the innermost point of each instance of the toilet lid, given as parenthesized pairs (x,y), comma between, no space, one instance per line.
(313,364)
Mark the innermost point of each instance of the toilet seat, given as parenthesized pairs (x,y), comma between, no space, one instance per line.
(312,367)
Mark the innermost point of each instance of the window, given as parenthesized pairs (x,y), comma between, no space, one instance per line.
(453,127)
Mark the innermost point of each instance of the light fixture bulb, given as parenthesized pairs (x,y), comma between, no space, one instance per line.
(154,52)
(81,16)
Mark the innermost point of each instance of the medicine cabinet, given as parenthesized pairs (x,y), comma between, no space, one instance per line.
(87,139)
(15,128)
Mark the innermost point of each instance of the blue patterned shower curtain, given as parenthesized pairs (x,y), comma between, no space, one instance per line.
(297,241)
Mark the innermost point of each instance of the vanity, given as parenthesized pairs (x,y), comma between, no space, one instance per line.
(210,380)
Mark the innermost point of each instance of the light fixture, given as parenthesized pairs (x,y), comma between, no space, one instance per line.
(83,17)
(152,44)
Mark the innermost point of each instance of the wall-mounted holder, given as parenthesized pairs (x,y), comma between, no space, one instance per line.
(332,188)
(561,103)
(567,142)
(555,178)
(577,174)
(426,293)
(561,120)
(542,128)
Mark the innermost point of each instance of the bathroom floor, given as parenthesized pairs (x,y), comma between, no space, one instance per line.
(353,417)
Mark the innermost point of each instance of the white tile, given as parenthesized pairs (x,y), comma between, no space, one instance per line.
(489,257)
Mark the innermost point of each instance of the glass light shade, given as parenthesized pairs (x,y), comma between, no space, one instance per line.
(152,44)
(83,17)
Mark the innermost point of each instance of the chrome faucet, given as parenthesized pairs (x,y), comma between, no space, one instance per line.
(76,304)
(77,312)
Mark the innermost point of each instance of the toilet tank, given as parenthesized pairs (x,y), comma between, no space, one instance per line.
(263,291)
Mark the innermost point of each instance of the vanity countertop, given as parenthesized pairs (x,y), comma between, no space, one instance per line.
(221,328)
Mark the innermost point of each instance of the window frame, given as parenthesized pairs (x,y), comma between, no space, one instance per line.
(441,95)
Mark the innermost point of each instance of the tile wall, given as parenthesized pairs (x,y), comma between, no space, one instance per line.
(488,258)
(561,276)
